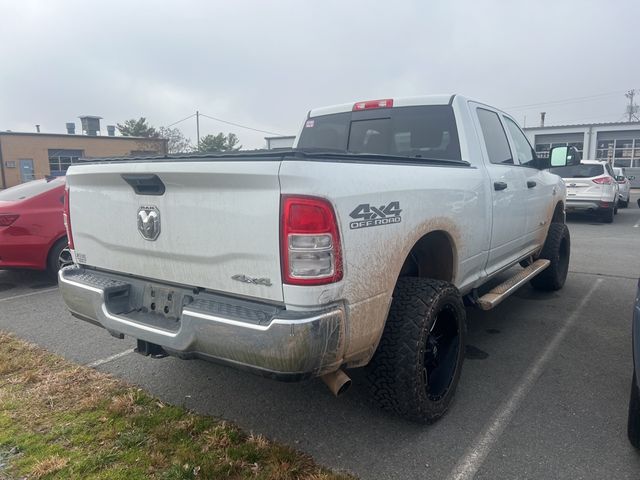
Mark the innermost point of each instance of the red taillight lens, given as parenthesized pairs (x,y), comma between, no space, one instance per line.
(7,219)
(603,181)
(369,104)
(67,217)
(310,242)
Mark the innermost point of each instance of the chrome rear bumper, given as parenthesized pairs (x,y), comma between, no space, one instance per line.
(264,338)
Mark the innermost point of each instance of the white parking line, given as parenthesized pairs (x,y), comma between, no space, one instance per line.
(473,459)
(47,290)
(637,224)
(102,361)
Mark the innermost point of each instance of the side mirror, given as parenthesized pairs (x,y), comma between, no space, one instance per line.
(631,177)
(564,156)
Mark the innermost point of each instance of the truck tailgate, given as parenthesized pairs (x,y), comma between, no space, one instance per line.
(218,219)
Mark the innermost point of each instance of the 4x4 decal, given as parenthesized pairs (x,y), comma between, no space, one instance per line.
(365,215)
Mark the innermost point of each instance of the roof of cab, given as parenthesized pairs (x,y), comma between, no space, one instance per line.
(443,99)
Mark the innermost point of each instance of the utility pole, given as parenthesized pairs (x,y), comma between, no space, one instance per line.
(632,108)
(198,127)
(542,115)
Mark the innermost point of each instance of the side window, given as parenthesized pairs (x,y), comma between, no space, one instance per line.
(526,157)
(494,137)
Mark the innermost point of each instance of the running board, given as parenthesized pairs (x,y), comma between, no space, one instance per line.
(498,294)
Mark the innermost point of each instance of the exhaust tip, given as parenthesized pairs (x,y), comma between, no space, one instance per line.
(338,382)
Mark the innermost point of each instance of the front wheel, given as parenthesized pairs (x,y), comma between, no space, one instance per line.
(556,249)
(416,368)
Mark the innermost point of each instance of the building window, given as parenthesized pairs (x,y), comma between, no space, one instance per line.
(621,153)
(60,160)
(542,149)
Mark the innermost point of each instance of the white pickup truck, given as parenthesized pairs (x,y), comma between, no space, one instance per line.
(359,247)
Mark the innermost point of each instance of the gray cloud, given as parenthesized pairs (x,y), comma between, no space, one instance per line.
(264,64)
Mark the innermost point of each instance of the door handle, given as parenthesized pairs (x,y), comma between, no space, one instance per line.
(531,184)
(499,185)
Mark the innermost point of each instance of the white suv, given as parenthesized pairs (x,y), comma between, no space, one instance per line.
(591,188)
(624,185)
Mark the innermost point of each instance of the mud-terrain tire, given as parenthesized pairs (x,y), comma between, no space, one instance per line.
(59,256)
(416,368)
(633,422)
(557,249)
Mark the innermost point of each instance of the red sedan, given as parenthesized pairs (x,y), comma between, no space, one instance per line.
(32,233)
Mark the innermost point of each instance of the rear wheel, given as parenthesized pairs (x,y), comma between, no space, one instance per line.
(59,256)
(633,423)
(624,203)
(607,217)
(416,368)
(557,249)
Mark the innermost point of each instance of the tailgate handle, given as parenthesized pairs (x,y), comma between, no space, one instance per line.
(144,183)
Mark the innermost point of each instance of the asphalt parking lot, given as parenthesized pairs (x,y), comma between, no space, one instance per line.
(543,392)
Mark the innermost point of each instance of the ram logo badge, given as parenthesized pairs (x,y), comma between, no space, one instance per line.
(365,215)
(149,222)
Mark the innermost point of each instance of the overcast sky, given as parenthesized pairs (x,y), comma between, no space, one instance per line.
(264,64)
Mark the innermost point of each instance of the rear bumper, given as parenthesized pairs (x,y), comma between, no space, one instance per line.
(262,338)
(585,206)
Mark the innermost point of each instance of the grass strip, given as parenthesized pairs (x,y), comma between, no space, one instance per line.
(63,421)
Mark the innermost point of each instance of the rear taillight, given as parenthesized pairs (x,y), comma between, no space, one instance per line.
(369,104)
(603,181)
(310,242)
(67,217)
(7,219)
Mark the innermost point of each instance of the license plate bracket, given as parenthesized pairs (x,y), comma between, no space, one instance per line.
(162,300)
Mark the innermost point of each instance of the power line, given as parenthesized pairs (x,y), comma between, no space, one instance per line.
(238,125)
(566,100)
(179,121)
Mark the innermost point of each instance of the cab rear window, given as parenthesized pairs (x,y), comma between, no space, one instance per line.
(578,171)
(424,131)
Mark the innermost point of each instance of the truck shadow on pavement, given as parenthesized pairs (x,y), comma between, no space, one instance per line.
(24,280)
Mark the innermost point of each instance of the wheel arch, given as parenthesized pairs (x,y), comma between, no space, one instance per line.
(434,255)
(559,215)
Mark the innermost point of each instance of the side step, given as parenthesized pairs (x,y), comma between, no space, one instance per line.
(498,294)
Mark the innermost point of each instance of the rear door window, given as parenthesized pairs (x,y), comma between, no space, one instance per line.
(578,171)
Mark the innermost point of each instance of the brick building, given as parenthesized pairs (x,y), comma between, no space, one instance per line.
(28,156)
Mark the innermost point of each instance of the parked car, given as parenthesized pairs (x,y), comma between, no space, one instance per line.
(32,232)
(591,188)
(359,247)
(633,424)
(624,185)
